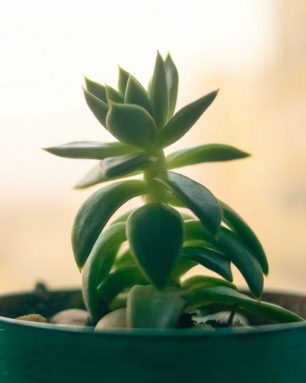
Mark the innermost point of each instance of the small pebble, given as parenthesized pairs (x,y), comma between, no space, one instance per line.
(33,318)
(71,317)
(114,319)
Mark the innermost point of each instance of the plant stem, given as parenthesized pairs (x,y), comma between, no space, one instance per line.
(157,168)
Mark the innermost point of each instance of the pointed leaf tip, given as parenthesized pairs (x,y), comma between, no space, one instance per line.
(184,119)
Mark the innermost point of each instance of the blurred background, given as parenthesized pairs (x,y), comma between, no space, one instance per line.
(253,50)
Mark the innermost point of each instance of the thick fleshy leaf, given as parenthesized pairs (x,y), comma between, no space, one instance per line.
(243,259)
(203,153)
(123,217)
(131,124)
(96,176)
(96,89)
(155,234)
(124,260)
(136,94)
(123,165)
(95,213)
(98,107)
(91,150)
(224,295)
(234,249)
(201,281)
(212,259)
(118,281)
(184,119)
(122,81)
(159,93)
(246,234)
(196,197)
(172,79)
(112,95)
(93,177)
(148,307)
(98,265)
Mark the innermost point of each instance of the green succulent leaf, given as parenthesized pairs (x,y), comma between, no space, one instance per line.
(246,234)
(184,119)
(123,165)
(96,176)
(243,259)
(91,150)
(136,94)
(211,259)
(172,79)
(203,153)
(123,217)
(122,82)
(118,281)
(201,281)
(113,95)
(95,213)
(155,234)
(96,89)
(98,107)
(233,248)
(159,93)
(196,197)
(148,307)
(124,260)
(206,296)
(98,265)
(93,177)
(131,124)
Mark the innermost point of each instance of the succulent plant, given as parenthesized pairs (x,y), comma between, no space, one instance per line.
(138,261)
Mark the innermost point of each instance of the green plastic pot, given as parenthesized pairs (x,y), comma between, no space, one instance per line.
(45,353)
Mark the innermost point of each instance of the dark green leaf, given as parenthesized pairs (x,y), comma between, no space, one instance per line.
(151,308)
(95,213)
(203,153)
(119,280)
(212,259)
(172,79)
(123,165)
(122,82)
(124,216)
(196,197)
(136,94)
(207,296)
(112,95)
(246,234)
(91,150)
(201,281)
(98,265)
(194,230)
(93,177)
(124,260)
(159,93)
(98,107)
(242,258)
(131,124)
(155,234)
(184,119)
(96,89)
(234,249)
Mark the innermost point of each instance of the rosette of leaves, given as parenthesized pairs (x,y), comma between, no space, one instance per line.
(139,260)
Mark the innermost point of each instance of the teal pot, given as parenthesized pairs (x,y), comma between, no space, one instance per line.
(47,353)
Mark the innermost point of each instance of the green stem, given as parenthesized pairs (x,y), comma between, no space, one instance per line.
(157,168)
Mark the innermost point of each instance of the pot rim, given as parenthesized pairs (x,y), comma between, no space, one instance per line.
(190,333)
